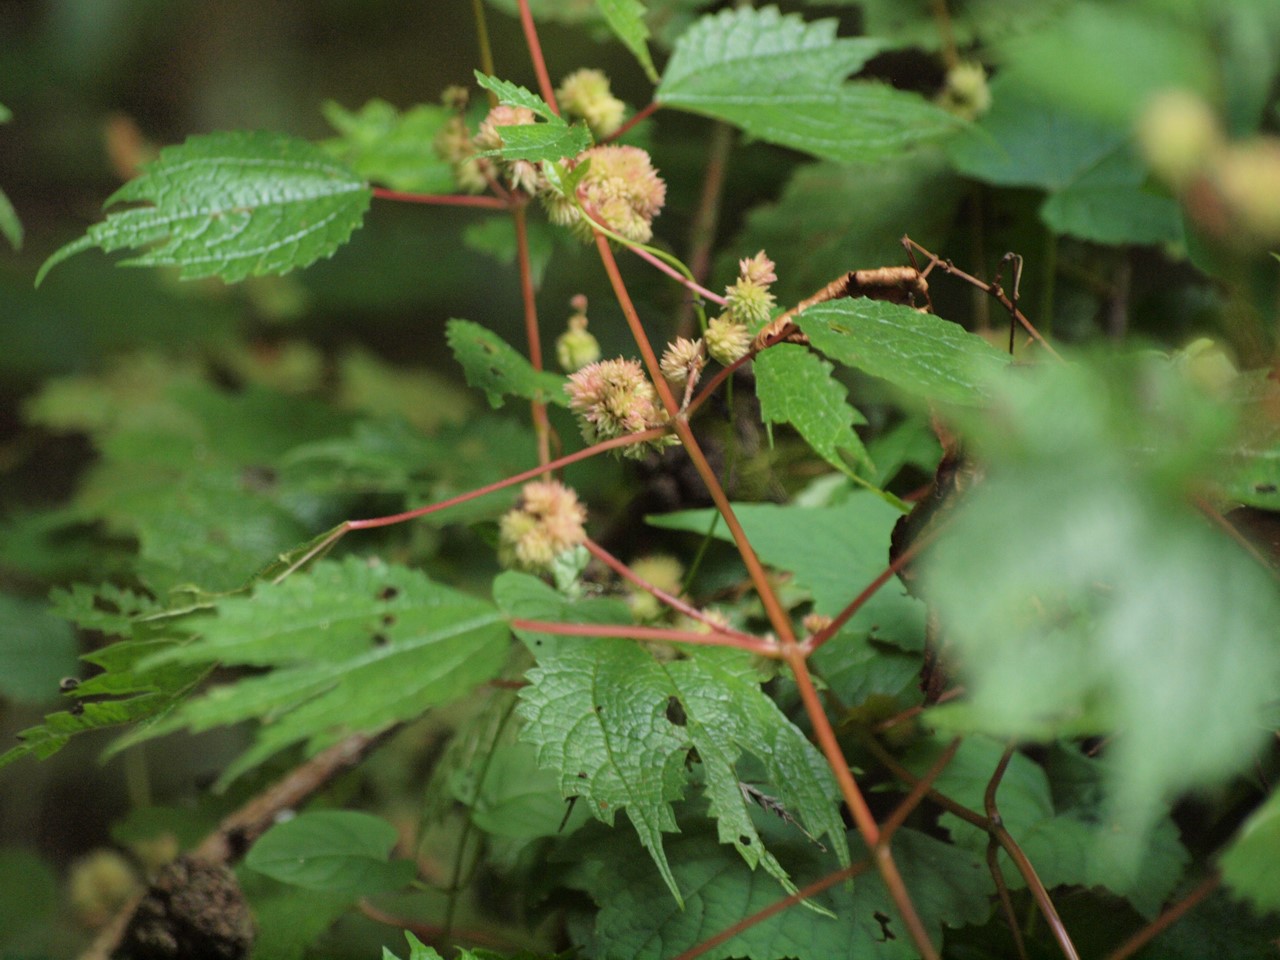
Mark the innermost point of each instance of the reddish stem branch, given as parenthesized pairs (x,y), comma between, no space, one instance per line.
(441,199)
(635,632)
(538,409)
(919,791)
(535,54)
(639,116)
(678,277)
(1002,893)
(1166,919)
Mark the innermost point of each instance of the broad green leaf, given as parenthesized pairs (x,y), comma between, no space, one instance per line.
(231,205)
(626,20)
(923,355)
(496,368)
(1095,182)
(541,141)
(617,725)
(514,95)
(834,552)
(795,386)
(832,218)
(289,918)
(783,80)
(914,23)
(36,648)
(332,850)
(1117,609)
(380,143)
(1221,926)
(1249,865)
(355,646)
(638,921)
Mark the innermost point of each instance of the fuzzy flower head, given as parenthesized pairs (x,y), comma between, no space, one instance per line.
(620,188)
(749,300)
(585,93)
(546,522)
(966,93)
(613,398)
(728,340)
(661,571)
(576,347)
(683,361)
(521,174)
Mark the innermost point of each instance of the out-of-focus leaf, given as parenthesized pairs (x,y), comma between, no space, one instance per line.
(342,851)
(782,80)
(231,205)
(496,237)
(380,143)
(355,646)
(626,20)
(493,366)
(923,355)
(28,901)
(795,386)
(36,648)
(1249,865)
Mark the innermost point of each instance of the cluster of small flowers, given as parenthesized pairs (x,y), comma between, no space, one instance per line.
(614,398)
(619,188)
(546,522)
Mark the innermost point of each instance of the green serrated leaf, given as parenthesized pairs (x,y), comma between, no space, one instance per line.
(496,368)
(420,951)
(1249,865)
(332,850)
(617,725)
(514,95)
(795,386)
(232,205)
(541,141)
(923,355)
(355,646)
(626,20)
(782,80)
(833,552)
(380,143)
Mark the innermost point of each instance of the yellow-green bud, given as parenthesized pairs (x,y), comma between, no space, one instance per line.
(727,339)
(576,347)
(99,884)
(1178,135)
(683,359)
(585,93)
(966,93)
(1248,178)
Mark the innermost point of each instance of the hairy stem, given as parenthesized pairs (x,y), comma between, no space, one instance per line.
(528,296)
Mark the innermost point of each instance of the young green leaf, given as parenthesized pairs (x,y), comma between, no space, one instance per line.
(332,850)
(355,646)
(514,95)
(795,386)
(626,20)
(550,140)
(232,205)
(782,80)
(496,368)
(618,725)
(1249,865)
(380,143)
(923,355)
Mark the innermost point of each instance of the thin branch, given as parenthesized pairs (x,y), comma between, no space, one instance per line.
(1166,919)
(678,277)
(441,199)
(706,217)
(919,791)
(640,115)
(1002,892)
(528,297)
(535,54)
(756,645)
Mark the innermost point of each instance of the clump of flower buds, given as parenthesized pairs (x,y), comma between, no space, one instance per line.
(965,92)
(453,143)
(546,522)
(521,174)
(585,93)
(620,189)
(576,347)
(614,398)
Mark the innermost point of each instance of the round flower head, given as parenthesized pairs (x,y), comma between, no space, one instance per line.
(585,93)
(749,300)
(759,270)
(966,93)
(727,339)
(620,189)
(613,398)
(521,174)
(683,359)
(546,522)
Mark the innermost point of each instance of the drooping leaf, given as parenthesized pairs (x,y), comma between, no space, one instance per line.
(795,386)
(617,725)
(332,850)
(1118,610)
(923,355)
(626,20)
(495,367)
(354,646)
(781,79)
(833,552)
(231,205)
(381,144)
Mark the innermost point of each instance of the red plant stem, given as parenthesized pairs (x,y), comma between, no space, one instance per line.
(1166,919)
(678,277)
(773,609)
(918,792)
(528,296)
(663,634)
(680,606)
(441,199)
(637,117)
(1002,893)
(535,54)
(827,882)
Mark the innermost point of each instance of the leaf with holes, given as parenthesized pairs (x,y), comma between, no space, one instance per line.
(623,729)
(493,366)
(231,205)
